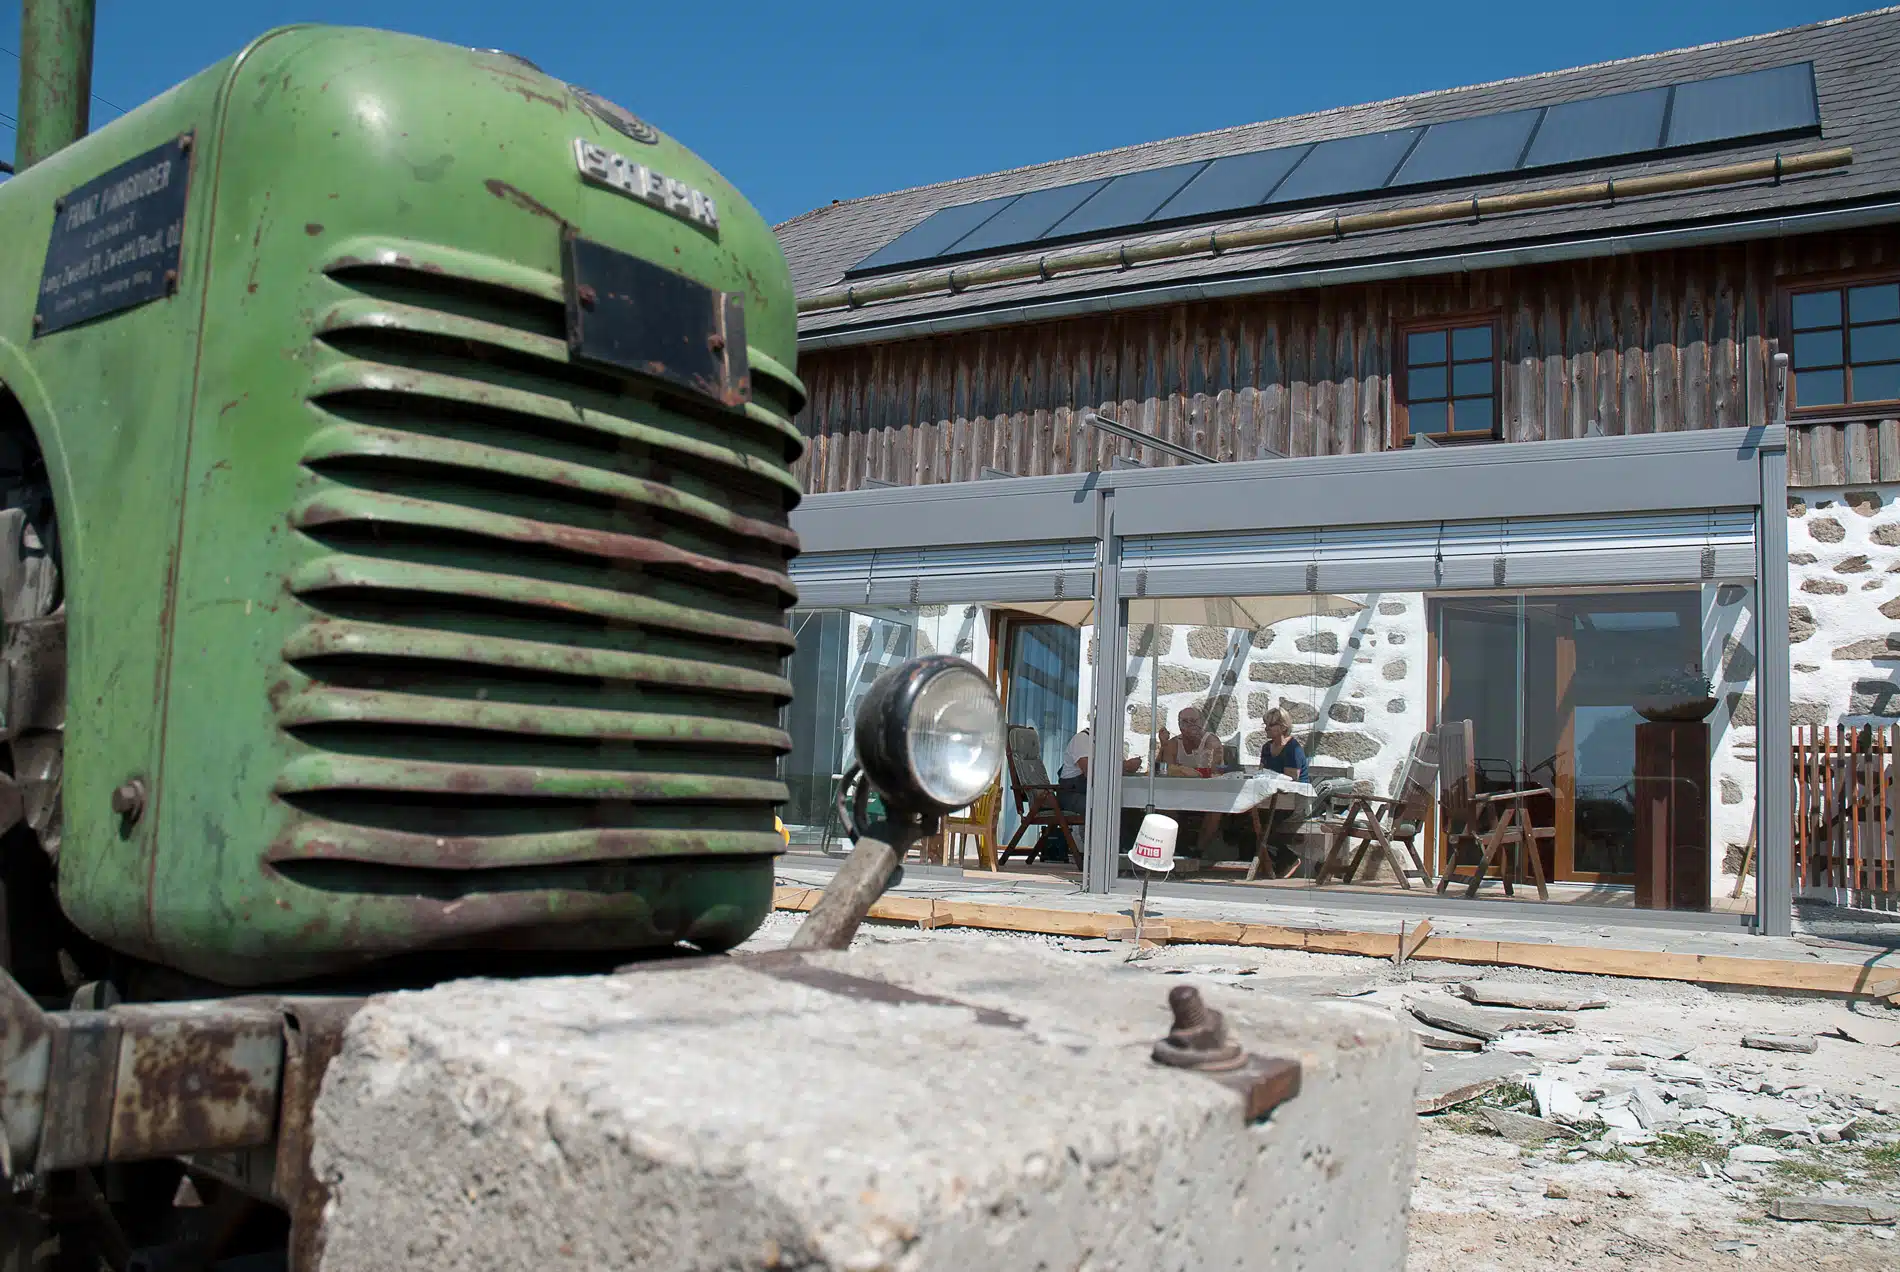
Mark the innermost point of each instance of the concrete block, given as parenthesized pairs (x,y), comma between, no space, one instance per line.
(730,1114)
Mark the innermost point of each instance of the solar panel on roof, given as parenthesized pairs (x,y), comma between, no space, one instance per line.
(1232,183)
(1346,165)
(1754,103)
(1127,200)
(1027,219)
(1468,148)
(1598,127)
(935,232)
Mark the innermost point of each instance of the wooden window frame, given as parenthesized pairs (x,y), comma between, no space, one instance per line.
(1400,431)
(1838,280)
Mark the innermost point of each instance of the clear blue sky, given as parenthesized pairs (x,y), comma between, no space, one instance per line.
(802,103)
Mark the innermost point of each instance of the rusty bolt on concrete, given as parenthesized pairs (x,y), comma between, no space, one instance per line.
(1199,1038)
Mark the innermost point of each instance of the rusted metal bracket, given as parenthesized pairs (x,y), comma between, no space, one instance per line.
(228,1086)
(1199,1043)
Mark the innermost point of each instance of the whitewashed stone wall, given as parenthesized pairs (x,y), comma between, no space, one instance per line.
(1844,605)
(1730,634)
(1353,686)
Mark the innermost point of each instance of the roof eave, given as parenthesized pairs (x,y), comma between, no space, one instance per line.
(1741,229)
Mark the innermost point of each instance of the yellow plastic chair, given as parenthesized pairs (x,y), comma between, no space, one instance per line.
(977,822)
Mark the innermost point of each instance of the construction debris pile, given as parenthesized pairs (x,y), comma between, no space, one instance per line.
(1545,1080)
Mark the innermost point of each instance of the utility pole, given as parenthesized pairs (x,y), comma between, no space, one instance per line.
(55,77)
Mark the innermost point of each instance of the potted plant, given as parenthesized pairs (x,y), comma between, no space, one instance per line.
(1681,696)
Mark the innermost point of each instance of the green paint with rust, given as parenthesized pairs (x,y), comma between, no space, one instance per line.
(420,636)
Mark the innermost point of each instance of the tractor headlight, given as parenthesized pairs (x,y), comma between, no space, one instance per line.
(930,734)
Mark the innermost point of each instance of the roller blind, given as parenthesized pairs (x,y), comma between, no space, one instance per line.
(1555,552)
(924,576)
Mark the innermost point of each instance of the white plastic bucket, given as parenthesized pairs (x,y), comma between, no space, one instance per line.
(1154,845)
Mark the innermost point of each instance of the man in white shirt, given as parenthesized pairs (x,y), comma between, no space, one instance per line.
(1072,783)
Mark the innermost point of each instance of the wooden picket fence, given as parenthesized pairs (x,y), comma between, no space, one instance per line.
(1845,795)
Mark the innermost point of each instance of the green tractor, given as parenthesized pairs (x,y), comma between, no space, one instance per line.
(397,450)
(395,471)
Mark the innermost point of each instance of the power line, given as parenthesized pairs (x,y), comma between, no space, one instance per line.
(16,57)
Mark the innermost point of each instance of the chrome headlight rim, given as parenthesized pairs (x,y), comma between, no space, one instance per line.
(887,747)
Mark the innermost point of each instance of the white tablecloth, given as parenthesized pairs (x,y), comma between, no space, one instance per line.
(1228,793)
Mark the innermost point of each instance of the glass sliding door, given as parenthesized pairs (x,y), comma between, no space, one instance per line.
(1042,681)
(1618,647)
(1591,698)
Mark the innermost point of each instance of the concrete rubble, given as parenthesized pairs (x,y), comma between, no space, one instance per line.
(1732,1130)
(710,1115)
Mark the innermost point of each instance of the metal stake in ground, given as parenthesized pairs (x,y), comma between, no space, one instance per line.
(1154,853)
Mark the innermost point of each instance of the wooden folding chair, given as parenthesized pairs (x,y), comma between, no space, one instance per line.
(1488,820)
(1378,820)
(1035,795)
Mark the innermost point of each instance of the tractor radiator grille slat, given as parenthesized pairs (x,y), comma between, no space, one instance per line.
(545,615)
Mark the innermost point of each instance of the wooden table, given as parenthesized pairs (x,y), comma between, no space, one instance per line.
(1229,794)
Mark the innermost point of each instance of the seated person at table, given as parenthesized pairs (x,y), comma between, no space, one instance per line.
(1282,752)
(1195,748)
(1072,783)
(1195,753)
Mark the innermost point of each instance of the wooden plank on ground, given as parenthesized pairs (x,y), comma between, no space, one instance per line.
(1335,941)
(1705,969)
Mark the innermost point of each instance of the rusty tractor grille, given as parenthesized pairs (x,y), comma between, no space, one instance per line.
(544,610)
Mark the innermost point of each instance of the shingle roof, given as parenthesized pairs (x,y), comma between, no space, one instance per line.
(1854,60)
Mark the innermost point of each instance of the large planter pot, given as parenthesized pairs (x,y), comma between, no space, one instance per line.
(1675,710)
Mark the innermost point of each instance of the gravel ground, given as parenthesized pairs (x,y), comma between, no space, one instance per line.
(1667,1192)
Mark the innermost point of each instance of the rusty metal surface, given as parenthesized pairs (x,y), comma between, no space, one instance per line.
(1264,1084)
(333,841)
(334,704)
(790,966)
(331,771)
(339,638)
(76,1123)
(195,1079)
(345,573)
(387,513)
(1199,1038)
(635,315)
(361,443)
(313,1035)
(750,465)
(440,260)
(133,1083)
(1199,1043)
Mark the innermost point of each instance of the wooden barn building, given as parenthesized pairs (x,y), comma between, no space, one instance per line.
(1530,404)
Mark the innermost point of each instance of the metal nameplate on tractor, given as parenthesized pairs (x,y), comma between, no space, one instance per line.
(631,315)
(602,167)
(116,240)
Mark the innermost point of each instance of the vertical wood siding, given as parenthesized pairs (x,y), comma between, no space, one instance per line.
(1653,343)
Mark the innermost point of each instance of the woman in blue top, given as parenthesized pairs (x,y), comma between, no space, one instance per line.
(1283,752)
